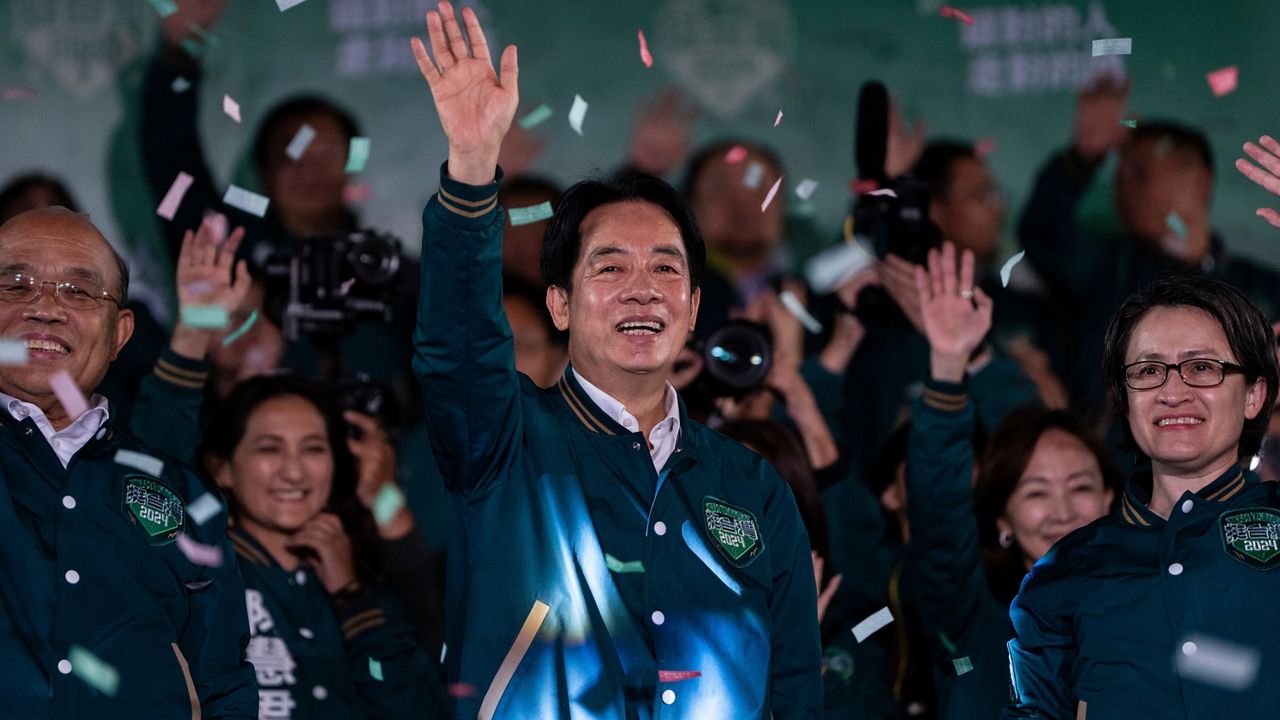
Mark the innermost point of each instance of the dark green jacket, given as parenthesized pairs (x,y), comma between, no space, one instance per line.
(88,558)
(1105,616)
(346,658)
(570,557)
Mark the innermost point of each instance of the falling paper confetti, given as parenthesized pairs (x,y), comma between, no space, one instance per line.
(984,147)
(535,117)
(1218,662)
(1176,225)
(96,673)
(68,394)
(645,57)
(1223,82)
(618,566)
(863,186)
(375,670)
(951,12)
(769,197)
(1007,269)
(805,188)
(736,154)
(231,108)
(357,154)
(755,173)
(778,120)
(250,202)
(962,665)
(531,214)
(388,502)
(301,139)
(1129,123)
(460,690)
(13,352)
(180,85)
(240,331)
(286,4)
(18,93)
(797,308)
(164,8)
(205,507)
(199,553)
(677,675)
(357,193)
(173,198)
(878,619)
(1113,46)
(577,113)
(140,461)
(883,192)
(205,317)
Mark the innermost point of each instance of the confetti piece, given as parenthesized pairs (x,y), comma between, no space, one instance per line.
(645,57)
(777,120)
(677,675)
(205,507)
(528,631)
(1129,123)
(736,154)
(531,214)
(616,565)
(1223,82)
(577,113)
(1218,662)
(164,8)
(357,154)
(345,288)
(68,394)
(536,116)
(357,193)
(199,584)
(286,4)
(180,85)
(205,317)
(1113,46)
(199,553)
(951,12)
(13,352)
(193,47)
(797,308)
(388,502)
(173,198)
(1176,225)
(831,267)
(231,108)
(755,173)
(240,331)
(962,665)
(804,190)
(863,186)
(375,670)
(1007,269)
(460,690)
(18,93)
(96,673)
(300,141)
(984,147)
(883,192)
(250,202)
(140,461)
(768,198)
(946,643)
(878,619)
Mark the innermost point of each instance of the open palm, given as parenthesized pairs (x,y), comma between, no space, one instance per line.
(954,321)
(204,269)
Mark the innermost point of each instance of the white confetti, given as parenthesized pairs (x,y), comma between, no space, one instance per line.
(250,202)
(205,507)
(755,173)
(885,192)
(180,85)
(577,113)
(301,139)
(286,4)
(140,461)
(1113,46)
(13,352)
(1218,662)
(231,108)
(793,304)
(805,188)
(778,120)
(199,553)
(768,198)
(1007,269)
(878,619)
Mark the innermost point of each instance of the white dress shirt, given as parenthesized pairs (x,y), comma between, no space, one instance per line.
(662,436)
(69,440)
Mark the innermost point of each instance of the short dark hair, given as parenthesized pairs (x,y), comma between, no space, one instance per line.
(716,150)
(1247,330)
(1179,137)
(289,109)
(562,244)
(936,165)
(15,200)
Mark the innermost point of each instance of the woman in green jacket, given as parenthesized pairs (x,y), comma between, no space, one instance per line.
(1041,477)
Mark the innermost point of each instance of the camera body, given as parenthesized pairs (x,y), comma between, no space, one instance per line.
(736,359)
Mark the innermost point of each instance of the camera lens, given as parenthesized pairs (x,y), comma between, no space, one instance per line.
(374,261)
(739,355)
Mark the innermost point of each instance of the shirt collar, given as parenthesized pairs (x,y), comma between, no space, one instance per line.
(618,412)
(92,419)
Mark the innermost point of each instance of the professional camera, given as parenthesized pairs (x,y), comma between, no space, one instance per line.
(368,397)
(736,358)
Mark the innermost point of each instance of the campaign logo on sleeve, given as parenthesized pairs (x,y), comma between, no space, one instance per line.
(154,508)
(733,530)
(1252,536)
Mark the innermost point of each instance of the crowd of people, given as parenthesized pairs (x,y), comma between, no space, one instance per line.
(942,495)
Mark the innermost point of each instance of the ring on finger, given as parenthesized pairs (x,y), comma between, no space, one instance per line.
(966,294)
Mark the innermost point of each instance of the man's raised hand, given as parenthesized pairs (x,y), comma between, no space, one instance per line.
(475,104)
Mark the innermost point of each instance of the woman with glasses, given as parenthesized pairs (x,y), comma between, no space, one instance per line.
(1166,607)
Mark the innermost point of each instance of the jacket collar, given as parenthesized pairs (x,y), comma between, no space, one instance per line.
(248,549)
(595,419)
(1137,494)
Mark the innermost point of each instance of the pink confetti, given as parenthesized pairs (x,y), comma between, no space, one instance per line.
(863,186)
(777,120)
(1223,82)
(355,193)
(69,394)
(461,690)
(231,108)
(954,13)
(173,198)
(645,57)
(736,154)
(677,675)
(18,93)
(984,147)
(772,191)
(199,553)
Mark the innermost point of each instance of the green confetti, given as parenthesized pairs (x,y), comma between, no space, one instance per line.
(531,214)
(1176,225)
(96,673)
(207,317)
(240,331)
(963,665)
(375,670)
(1129,123)
(206,37)
(388,502)
(193,47)
(358,154)
(946,643)
(537,116)
(616,565)
(164,8)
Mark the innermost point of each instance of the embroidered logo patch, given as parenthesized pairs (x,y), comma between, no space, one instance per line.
(1252,536)
(733,530)
(153,507)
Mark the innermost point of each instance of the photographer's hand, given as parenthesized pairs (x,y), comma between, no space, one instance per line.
(956,313)
(376,459)
(204,278)
(475,104)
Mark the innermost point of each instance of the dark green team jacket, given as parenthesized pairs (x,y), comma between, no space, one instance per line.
(89,561)
(1135,616)
(582,582)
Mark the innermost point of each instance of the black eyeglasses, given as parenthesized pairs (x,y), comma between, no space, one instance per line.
(1196,372)
(82,294)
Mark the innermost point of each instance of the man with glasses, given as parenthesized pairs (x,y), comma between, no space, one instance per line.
(1165,608)
(105,609)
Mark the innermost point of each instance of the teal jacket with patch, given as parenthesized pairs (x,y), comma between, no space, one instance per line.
(347,658)
(1108,616)
(582,583)
(88,559)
